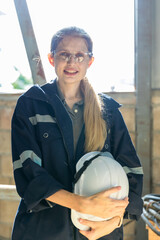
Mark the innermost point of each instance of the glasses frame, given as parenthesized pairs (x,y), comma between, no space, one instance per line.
(67,58)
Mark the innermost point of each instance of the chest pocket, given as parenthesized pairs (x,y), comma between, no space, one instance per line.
(48,132)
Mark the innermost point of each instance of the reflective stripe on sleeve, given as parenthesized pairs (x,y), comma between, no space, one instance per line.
(17,164)
(136,170)
(41,118)
(24,156)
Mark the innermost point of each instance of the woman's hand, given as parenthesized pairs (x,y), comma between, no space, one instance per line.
(101,205)
(99,229)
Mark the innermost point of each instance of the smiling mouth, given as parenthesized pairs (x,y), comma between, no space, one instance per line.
(70,72)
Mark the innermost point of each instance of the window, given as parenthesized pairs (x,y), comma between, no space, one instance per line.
(13,58)
(110,25)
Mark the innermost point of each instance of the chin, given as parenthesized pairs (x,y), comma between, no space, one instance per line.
(71,80)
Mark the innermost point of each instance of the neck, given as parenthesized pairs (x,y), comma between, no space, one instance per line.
(70,91)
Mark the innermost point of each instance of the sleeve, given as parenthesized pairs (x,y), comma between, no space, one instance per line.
(124,152)
(33,182)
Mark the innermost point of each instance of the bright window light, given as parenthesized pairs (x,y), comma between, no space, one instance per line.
(13,58)
(109,23)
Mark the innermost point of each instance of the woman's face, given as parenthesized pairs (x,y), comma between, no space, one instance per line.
(71,71)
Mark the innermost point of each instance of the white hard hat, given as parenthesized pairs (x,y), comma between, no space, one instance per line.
(96,172)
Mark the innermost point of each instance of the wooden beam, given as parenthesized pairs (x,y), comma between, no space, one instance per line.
(143,87)
(30,42)
(143,44)
(8,192)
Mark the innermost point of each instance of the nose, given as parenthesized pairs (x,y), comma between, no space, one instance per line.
(72,59)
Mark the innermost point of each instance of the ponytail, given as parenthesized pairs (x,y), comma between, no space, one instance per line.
(95,126)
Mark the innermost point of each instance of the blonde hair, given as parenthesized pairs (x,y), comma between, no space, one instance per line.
(95,126)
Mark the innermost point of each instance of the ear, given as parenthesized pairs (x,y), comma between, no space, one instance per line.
(90,61)
(51,59)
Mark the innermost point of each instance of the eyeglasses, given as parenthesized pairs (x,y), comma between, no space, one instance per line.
(66,56)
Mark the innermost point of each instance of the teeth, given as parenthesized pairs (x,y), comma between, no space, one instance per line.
(70,71)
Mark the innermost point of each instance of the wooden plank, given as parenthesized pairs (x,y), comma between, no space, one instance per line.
(8,192)
(143,41)
(151,234)
(143,88)
(30,42)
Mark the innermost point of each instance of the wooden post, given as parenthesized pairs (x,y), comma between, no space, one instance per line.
(143,44)
(30,42)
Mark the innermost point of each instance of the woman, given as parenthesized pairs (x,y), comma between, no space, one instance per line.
(53,126)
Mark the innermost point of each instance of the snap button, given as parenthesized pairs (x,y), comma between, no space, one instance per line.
(75,110)
(106,146)
(45,135)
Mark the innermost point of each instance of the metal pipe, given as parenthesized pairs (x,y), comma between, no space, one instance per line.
(151,211)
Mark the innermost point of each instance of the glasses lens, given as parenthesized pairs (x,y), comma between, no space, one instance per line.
(64,56)
(79,57)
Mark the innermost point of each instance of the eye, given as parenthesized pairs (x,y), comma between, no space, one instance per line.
(64,55)
(80,57)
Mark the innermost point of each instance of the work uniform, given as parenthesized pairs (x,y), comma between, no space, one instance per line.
(44,160)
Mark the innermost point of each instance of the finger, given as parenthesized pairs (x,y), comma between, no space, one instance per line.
(117,221)
(108,192)
(86,222)
(88,234)
(85,233)
(114,218)
(120,202)
(126,199)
